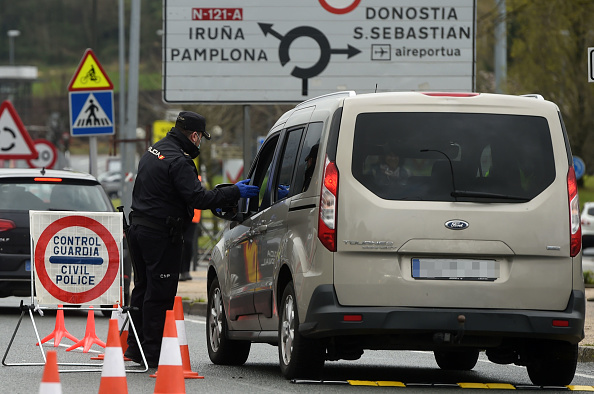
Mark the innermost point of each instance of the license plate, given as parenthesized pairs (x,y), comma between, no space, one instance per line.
(27,265)
(455,269)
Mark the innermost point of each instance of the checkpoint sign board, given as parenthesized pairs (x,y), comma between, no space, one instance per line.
(90,94)
(238,51)
(77,257)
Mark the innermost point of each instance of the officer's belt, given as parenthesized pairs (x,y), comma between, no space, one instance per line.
(136,218)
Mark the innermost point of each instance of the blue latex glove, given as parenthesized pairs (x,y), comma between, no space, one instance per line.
(283,191)
(245,190)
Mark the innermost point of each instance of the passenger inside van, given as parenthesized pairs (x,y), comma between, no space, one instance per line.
(389,171)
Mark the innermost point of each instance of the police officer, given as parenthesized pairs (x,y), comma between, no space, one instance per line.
(165,194)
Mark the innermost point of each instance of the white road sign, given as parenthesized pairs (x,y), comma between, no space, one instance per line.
(239,51)
(77,257)
(47,154)
(15,142)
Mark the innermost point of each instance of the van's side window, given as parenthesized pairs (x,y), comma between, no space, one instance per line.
(284,186)
(306,164)
(261,173)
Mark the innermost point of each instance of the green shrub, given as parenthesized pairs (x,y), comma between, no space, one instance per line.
(588,277)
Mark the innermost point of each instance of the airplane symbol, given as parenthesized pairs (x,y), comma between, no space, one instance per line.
(380,52)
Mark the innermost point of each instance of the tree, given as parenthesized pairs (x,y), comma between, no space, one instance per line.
(549,56)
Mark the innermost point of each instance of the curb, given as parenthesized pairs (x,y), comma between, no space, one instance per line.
(585,354)
(196,308)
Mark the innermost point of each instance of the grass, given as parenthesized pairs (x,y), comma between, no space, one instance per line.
(586,192)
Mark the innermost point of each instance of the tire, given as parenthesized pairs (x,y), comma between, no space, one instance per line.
(456,360)
(221,349)
(552,363)
(299,357)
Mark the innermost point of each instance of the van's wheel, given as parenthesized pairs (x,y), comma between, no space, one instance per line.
(552,363)
(457,360)
(299,357)
(221,349)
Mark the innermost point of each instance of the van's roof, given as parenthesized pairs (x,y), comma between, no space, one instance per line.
(419,98)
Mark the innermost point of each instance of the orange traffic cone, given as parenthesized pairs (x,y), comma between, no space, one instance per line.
(59,330)
(90,336)
(170,378)
(121,318)
(113,374)
(178,311)
(50,382)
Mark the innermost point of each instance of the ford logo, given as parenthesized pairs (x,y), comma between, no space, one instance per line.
(456,224)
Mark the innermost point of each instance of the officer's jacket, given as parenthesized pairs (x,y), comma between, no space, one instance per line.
(167,182)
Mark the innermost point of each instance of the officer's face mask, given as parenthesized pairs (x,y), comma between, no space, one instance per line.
(198,140)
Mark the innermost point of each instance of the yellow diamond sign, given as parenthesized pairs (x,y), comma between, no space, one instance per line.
(90,75)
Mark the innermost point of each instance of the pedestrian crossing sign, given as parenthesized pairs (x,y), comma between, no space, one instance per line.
(91,113)
(90,75)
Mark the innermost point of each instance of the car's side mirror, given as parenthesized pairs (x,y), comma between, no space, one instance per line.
(230,212)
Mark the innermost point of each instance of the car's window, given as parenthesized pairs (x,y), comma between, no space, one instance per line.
(306,164)
(492,157)
(53,196)
(289,155)
(260,175)
(591,211)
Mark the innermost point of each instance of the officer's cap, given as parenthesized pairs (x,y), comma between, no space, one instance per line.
(193,122)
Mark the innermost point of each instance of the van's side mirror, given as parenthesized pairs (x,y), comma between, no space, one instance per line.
(230,212)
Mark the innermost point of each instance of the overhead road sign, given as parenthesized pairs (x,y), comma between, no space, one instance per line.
(15,142)
(590,64)
(90,75)
(282,51)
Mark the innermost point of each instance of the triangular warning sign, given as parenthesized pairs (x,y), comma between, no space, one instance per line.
(90,75)
(92,115)
(15,142)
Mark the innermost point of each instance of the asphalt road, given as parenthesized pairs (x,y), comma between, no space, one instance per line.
(261,374)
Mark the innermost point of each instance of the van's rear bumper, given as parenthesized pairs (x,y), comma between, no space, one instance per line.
(325,318)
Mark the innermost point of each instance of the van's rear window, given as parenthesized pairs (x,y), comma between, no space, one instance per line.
(492,157)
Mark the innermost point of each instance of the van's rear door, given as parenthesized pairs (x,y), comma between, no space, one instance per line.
(475,214)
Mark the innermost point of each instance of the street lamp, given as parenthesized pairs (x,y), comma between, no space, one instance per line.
(11,35)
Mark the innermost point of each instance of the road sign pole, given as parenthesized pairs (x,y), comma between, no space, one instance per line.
(93,156)
(129,147)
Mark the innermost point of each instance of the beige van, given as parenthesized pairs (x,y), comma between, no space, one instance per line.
(446,222)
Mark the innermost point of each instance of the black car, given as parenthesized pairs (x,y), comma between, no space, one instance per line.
(22,190)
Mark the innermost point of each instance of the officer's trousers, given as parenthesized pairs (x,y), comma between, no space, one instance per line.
(157,261)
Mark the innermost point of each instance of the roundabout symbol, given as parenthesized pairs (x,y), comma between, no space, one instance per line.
(325,51)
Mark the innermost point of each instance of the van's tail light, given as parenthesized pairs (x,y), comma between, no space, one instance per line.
(6,225)
(328,206)
(574,212)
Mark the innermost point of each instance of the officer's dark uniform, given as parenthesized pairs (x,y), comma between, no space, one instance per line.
(165,193)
